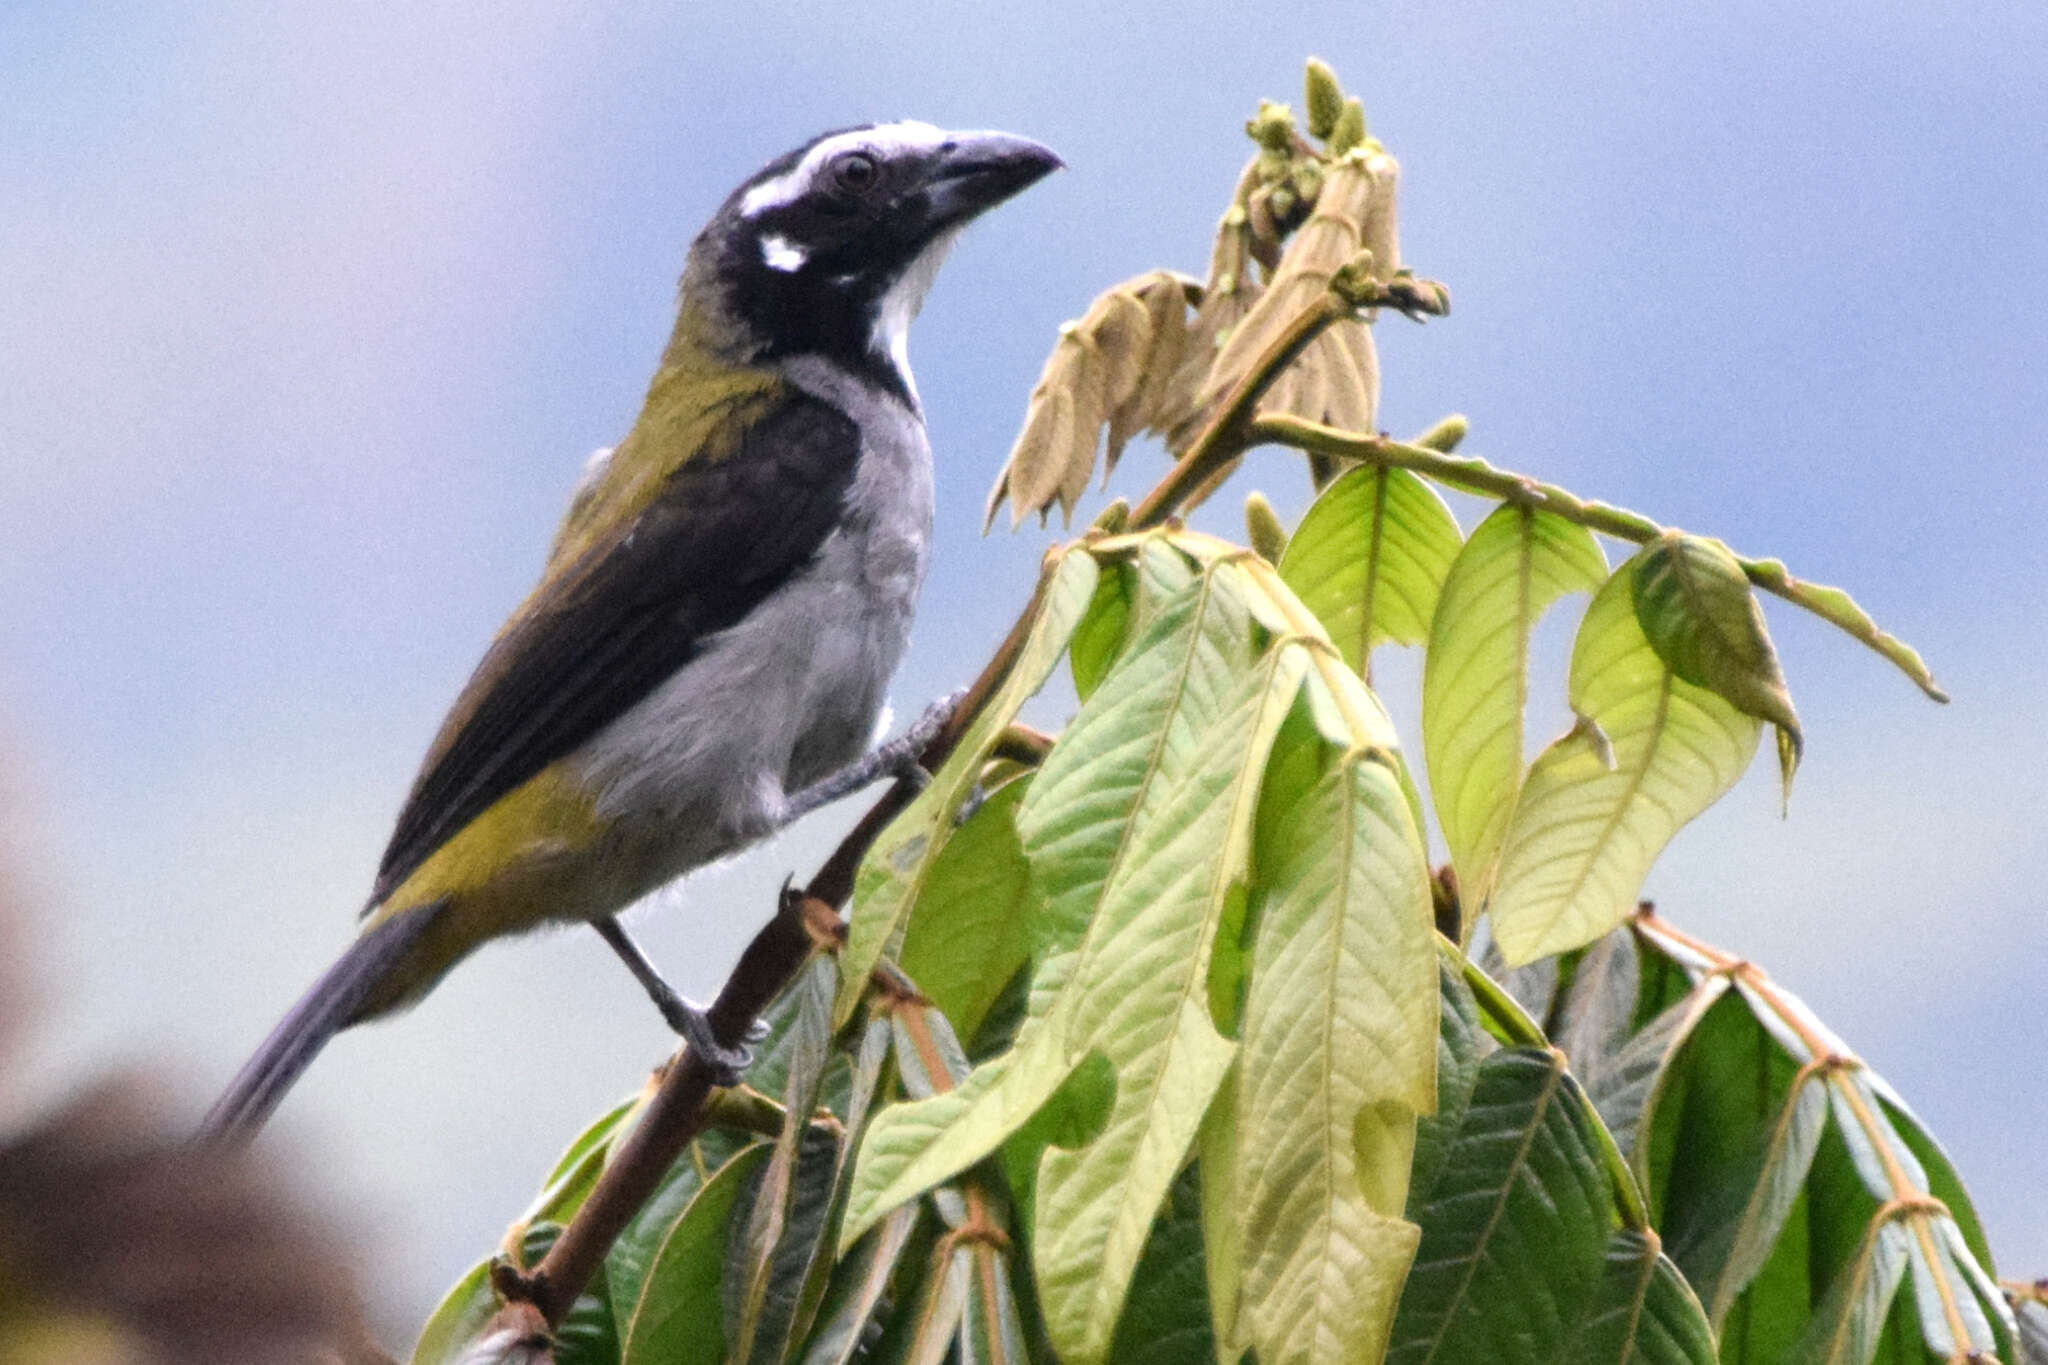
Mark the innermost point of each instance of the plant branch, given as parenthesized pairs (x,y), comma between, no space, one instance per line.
(1474,475)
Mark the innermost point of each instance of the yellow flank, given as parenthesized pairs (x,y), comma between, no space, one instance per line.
(526,860)
(696,409)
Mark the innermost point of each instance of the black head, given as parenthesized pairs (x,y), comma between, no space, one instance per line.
(829,250)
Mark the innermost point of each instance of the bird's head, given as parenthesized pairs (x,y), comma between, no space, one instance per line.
(829,249)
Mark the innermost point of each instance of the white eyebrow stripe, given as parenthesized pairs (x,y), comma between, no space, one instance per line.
(779,253)
(884,139)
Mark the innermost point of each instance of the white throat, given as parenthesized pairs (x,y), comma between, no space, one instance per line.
(898,307)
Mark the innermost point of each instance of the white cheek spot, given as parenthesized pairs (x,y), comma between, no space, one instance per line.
(782,254)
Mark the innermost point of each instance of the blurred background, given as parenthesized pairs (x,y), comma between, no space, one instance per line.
(310,313)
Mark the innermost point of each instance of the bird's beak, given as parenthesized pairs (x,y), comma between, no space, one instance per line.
(973,172)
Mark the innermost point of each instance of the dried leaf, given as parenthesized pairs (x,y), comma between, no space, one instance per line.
(1223,311)
(1165,298)
(1381,233)
(1112,367)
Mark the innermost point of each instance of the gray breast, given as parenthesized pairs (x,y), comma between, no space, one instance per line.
(794,691)
(864,584)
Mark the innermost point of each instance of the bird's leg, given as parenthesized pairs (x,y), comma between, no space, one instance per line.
(687,1019)
(898,759)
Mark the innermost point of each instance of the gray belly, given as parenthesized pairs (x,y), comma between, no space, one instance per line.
(698,769)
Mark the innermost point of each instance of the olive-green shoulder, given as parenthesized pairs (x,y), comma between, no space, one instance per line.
(695,410)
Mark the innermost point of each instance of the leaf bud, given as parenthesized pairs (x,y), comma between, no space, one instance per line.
(1445,435)
(1113,518)
(1272,127)
(1263,528)
(1308,180)
(1325,98)
(1349,132)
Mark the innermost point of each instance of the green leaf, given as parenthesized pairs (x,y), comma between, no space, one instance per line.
(458,1319)
(893,874)
(1643,1313)
(785,1211)
(1369,559)
(1839,609)
(859,1282)
(1475,675)
(1167,1320)
(1461,1045)
(1491,1228)
(1100,636)
(676,1319)
(1338,1057)
(970,931)
(1119,760)
(1942,1180)
(942,1306)
(776,1234)
(1120,756)
(1749,1232)
(1695,605)
(1846,1326)
(1791,1196)
(1624,1087)
(1515,1227)
(569,1182)
(1650,751)
(1140,997)
(1222,1247)
(633,1251)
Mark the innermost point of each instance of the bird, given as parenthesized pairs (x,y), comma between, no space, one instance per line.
(705,656)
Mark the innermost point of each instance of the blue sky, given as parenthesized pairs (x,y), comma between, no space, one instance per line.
(312,312)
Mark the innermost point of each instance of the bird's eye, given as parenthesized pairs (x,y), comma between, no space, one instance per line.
(855,171)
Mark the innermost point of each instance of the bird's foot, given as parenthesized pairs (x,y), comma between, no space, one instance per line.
(690,1021)
(898,759)
(905,753)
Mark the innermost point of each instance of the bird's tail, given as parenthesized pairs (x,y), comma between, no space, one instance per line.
(335,1001)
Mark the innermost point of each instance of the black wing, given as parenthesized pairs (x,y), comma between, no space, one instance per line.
(605,629)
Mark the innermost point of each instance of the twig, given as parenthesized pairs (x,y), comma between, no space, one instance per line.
(1477,476)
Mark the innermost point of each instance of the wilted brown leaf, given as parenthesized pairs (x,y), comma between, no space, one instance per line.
(1227,297)
(1109,369)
